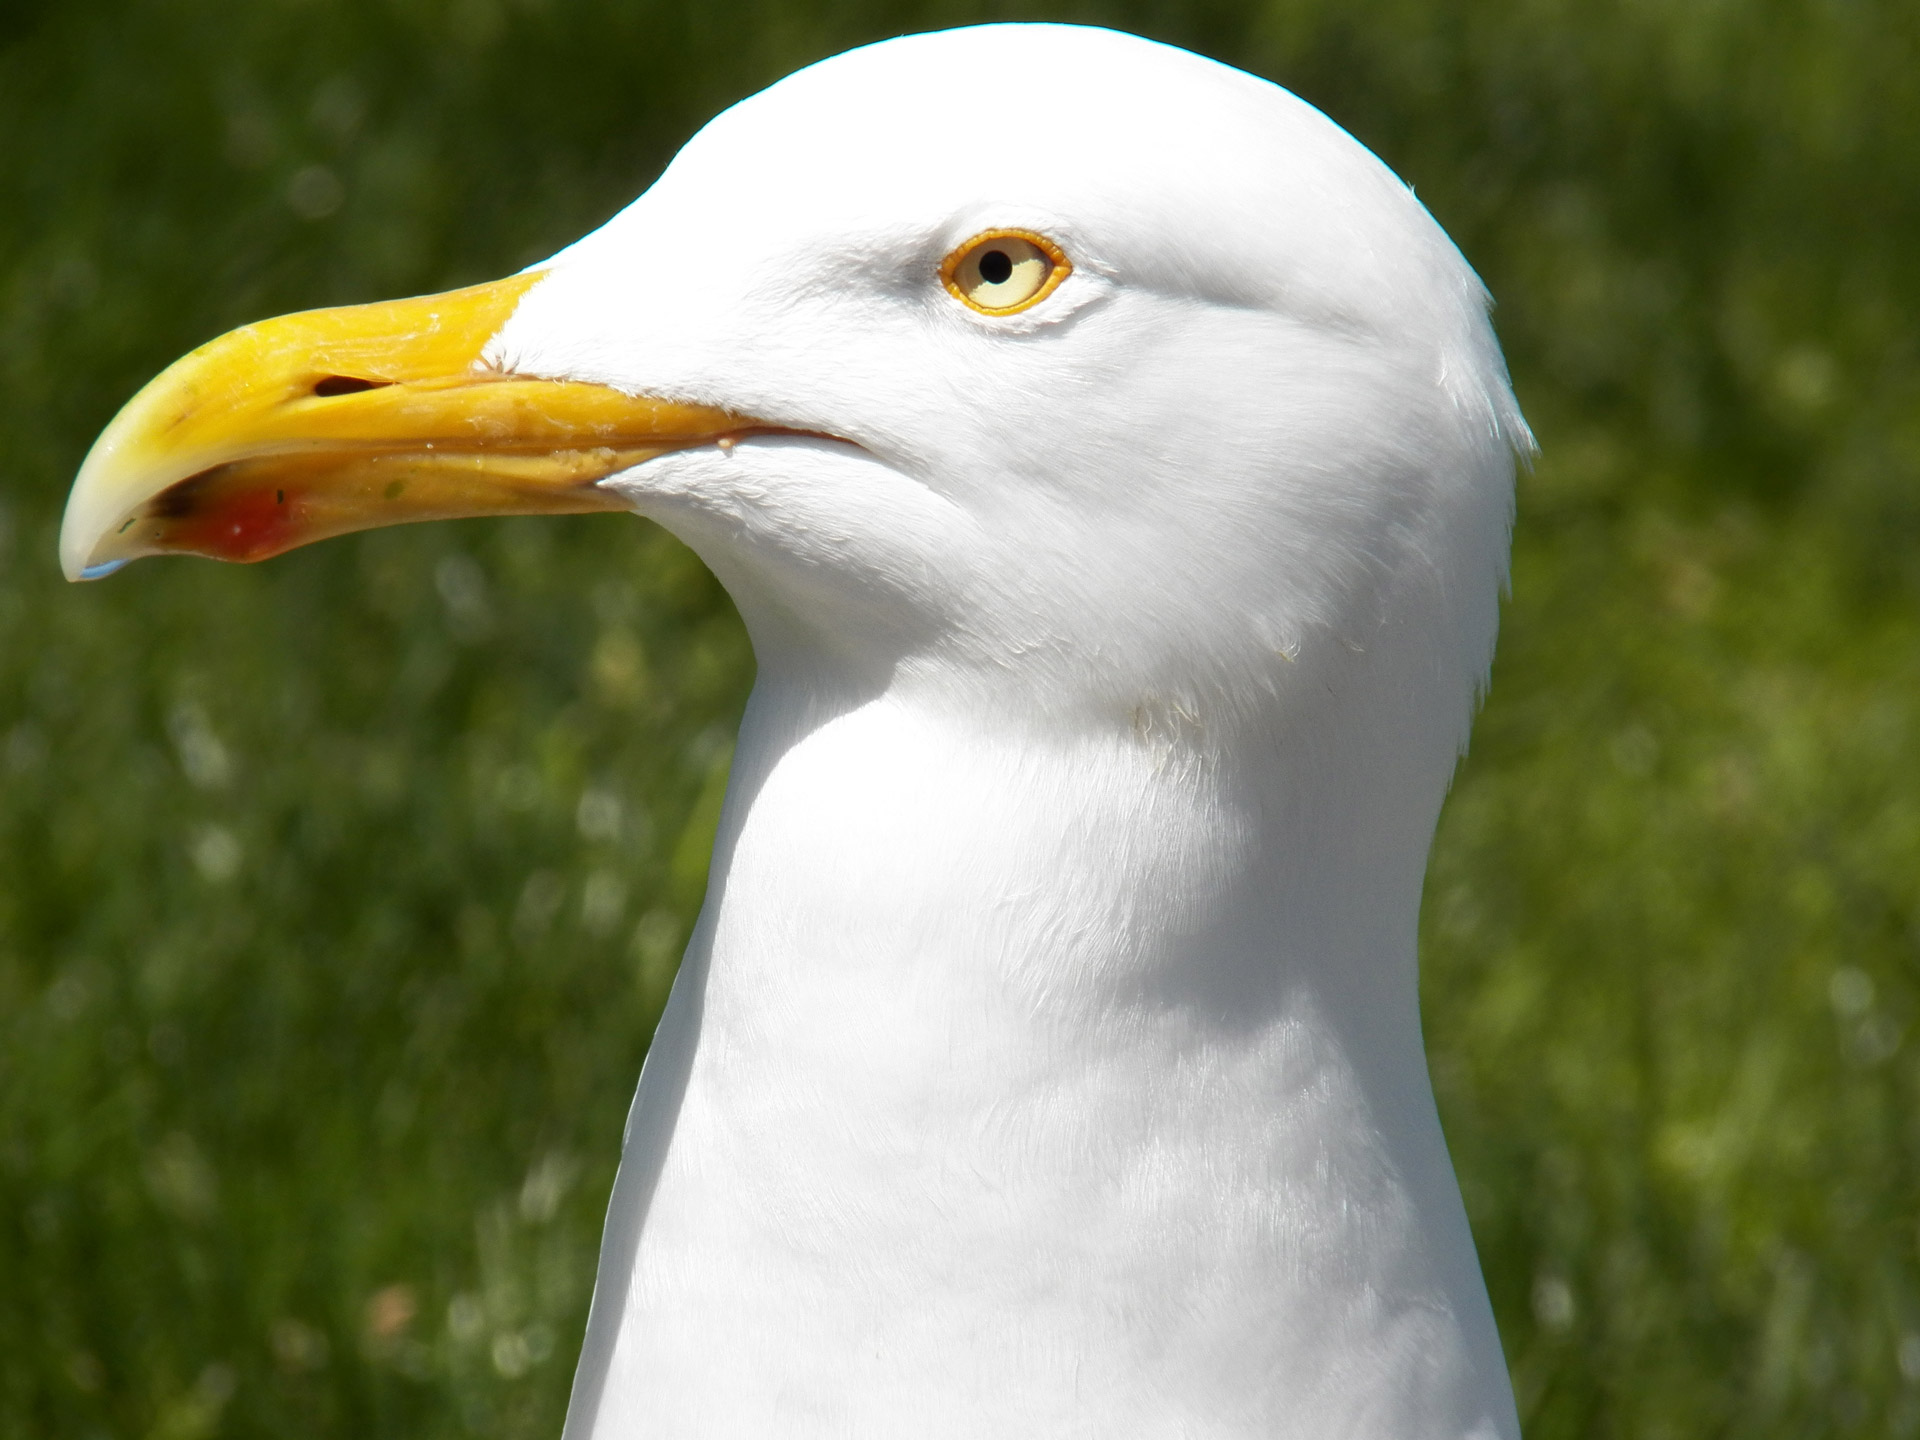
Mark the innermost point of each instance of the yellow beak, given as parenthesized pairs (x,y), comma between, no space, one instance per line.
(330,421)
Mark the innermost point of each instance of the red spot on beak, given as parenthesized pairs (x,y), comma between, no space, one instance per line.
(250,525)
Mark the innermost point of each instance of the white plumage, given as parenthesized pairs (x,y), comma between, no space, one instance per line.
(1047,1057)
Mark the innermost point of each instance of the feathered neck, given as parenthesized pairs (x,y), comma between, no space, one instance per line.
(1076,1086)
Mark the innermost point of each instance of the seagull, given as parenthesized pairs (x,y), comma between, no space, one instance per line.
(1113,463)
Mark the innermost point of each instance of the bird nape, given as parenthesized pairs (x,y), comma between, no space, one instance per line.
(1113,465)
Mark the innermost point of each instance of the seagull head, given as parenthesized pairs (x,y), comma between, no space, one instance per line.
(1071,376)
(1112,462)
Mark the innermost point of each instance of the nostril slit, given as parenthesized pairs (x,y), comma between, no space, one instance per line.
(331,385)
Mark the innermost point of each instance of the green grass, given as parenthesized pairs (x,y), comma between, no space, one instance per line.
(338,896)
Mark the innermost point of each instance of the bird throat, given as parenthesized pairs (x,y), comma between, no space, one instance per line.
(1022,1083)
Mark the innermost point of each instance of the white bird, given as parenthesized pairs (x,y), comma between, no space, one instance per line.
(1113,463)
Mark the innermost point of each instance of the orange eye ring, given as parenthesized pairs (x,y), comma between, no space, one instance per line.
(1002,272)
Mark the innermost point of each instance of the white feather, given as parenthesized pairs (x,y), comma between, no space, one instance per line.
(1047,1056)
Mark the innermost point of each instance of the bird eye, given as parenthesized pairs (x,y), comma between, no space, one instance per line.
(1004,271)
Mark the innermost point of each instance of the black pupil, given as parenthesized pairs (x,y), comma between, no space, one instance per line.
(995,267)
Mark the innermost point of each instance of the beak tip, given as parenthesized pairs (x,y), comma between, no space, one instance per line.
(73,563)
(79,538)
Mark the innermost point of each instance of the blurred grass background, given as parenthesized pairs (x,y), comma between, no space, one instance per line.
(338,896)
